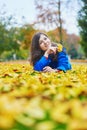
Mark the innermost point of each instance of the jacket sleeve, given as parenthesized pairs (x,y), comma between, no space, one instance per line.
(63,61)
(40,64)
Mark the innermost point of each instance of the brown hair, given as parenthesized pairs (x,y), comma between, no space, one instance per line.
(35,50)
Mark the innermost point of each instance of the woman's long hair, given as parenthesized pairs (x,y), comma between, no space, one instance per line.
(35,50)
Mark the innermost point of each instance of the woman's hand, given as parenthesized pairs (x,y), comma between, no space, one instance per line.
(48,69)
(50,50)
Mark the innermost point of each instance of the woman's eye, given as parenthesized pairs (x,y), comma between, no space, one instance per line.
(45,38)
(42,41)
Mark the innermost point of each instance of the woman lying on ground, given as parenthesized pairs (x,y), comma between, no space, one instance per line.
(47,56)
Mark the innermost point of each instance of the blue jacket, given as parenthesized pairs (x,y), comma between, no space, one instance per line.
(62,62)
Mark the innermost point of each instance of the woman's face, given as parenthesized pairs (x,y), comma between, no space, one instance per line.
(44,42)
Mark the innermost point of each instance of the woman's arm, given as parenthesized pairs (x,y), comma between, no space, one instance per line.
(45,60)
(40,64)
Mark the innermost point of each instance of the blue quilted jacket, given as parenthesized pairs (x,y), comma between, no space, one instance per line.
(62,62)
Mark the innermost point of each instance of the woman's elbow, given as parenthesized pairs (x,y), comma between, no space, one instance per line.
(37,68)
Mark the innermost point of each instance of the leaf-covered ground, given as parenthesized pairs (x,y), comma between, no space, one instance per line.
(32,100)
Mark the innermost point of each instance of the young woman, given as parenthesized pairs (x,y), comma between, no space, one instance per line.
(47,56)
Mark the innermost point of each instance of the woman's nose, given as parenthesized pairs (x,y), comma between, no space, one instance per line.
(45,42)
